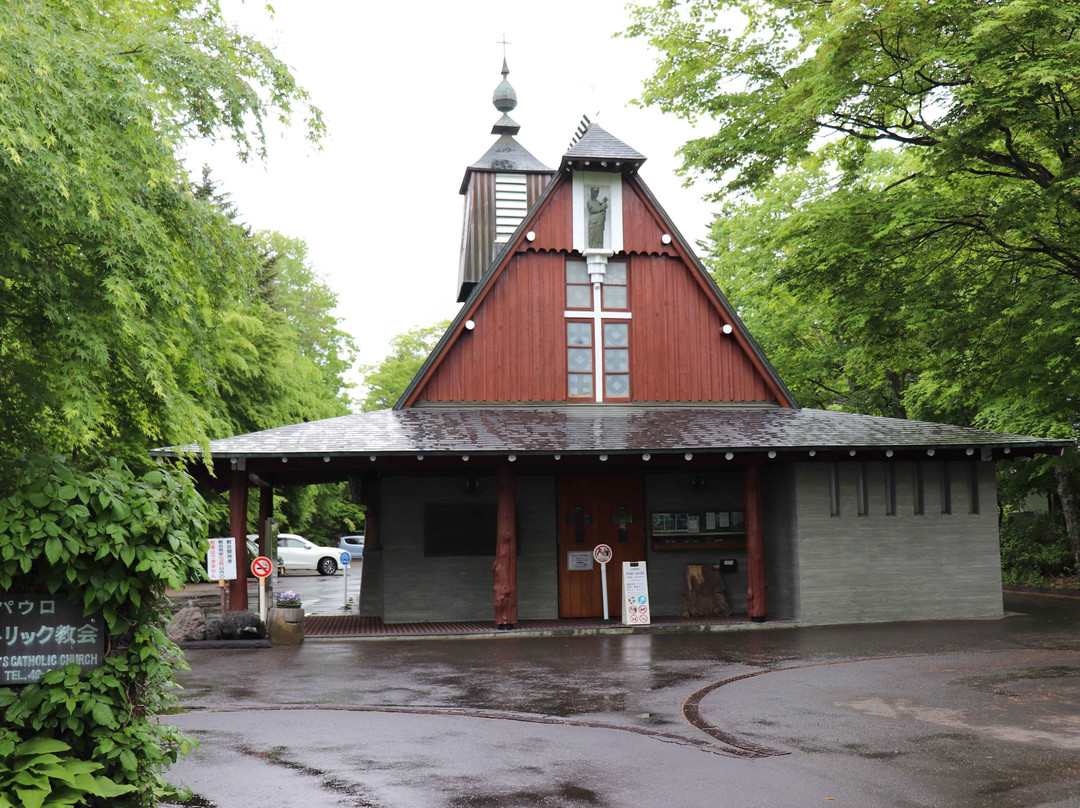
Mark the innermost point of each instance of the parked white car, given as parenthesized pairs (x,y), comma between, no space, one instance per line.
(297,553)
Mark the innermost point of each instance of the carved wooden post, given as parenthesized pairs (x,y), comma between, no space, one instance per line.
(757,600)
(504,570)
(238,502)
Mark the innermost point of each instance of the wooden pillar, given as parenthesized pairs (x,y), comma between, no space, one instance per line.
(238,502)
(266,512)
(504,570)
(757,599)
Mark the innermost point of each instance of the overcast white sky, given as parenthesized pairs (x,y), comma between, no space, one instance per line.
(406,91)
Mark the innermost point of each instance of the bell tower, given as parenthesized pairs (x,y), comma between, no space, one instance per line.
(499,189)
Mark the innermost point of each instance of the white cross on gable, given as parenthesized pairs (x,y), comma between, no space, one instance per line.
(597,315)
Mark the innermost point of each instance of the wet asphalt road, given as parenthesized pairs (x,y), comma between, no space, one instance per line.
(956,714)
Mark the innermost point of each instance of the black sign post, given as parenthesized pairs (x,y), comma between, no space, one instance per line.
(40,632)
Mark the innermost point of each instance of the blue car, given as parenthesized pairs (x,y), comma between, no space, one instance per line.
(354,544)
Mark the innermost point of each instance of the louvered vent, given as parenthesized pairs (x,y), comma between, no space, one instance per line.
(511,204)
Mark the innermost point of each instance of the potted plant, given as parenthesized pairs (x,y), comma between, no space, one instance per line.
(285,622)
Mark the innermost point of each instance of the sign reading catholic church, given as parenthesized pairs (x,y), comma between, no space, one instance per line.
(41,632)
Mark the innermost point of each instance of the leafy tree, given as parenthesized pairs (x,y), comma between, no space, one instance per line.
(111,272)
(114,543)
(904,173)
(386,381)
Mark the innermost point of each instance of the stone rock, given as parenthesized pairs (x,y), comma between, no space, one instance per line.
(188,624)
(248,626)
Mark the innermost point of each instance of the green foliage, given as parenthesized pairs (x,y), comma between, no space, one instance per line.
(386,381)
(114,543)
(114,279)
(37,777)
(901,225)
(1035,548)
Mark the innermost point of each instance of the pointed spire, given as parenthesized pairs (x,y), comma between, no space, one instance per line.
(505,99)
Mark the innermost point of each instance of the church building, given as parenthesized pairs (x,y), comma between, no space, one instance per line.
(597,387)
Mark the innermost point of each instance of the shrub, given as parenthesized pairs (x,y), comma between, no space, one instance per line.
(1034,548)
(112,542)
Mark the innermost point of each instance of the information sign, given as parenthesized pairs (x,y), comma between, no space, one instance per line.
(346,558)
(221,560)
(635,594)
(261,567)
(41,632)
(578,561)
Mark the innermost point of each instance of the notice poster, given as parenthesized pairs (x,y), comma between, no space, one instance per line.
(221,560)
(635,594)
(579,561)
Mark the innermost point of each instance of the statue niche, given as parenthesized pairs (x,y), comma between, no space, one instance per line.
(596,215)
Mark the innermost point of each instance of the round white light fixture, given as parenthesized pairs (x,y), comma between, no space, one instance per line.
(512,458)
(729,456)
(727,329)
(688,456)
(326,460)
(969,452)
(666,238)
(603,458)
(772,454)
(469,325)
(888,452)
(531,235)
(813,452)
(646,457)
(930,452)
(558,457)
(465,458)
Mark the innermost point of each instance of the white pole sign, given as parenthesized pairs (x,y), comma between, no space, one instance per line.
(346,561)
(221,560)
(602,553)
(635,594)
(261,569)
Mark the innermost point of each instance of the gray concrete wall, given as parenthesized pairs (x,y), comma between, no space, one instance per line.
(538,575)
(667,568)
(418,588)
(854,568)
(781,546)
(371,584)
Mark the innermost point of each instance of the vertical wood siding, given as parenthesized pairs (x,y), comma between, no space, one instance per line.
(554,227)
(680,353)
(641,232)
(517,352)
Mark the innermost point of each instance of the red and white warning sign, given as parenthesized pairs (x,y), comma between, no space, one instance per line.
(602,553)
(261,567)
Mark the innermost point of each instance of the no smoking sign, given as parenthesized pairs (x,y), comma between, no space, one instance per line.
(261,567)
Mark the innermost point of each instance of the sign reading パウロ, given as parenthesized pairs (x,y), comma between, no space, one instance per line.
(41,632)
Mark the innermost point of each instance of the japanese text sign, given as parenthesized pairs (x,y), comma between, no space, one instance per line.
(221,560)
(41,632)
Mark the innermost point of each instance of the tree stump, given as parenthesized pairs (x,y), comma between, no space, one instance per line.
(704,595)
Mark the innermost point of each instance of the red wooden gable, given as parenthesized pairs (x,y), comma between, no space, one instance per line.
(516,349)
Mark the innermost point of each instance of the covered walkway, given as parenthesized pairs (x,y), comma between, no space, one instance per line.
(338,626)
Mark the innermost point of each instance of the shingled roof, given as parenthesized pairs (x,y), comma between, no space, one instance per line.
(597,147)
(611,429)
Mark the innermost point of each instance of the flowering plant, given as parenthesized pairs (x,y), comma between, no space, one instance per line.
(287,600)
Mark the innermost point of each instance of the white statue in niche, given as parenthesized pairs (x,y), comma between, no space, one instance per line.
(596,210)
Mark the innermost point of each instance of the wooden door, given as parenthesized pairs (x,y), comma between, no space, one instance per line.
(592,511)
